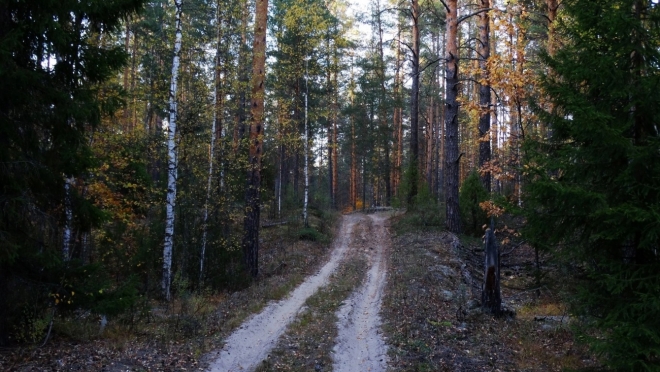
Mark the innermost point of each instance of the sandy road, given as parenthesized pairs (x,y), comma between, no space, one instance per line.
(359,346)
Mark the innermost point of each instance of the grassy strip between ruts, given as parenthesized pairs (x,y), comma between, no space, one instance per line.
(308,343)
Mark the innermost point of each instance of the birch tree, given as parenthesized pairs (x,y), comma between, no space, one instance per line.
(306,147)
(68,219)
(171,159)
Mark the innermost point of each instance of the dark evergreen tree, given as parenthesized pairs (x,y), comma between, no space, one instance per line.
(52,61)
(593,196)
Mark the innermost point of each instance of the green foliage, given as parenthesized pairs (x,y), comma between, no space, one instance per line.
(410,173)
(51,56)
(473,193)
(593,191)
(424,213)
(310,233)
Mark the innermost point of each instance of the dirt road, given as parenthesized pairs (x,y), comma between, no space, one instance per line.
(359,345)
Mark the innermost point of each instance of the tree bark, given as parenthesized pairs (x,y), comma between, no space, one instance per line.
(452,157)
(491,299)
(171,160)
(552,5)
(397,118)
(68,220)
(216,121)
(483,49)
(252,198)
(306,151)
(385,129)
(414,105)
(335,112)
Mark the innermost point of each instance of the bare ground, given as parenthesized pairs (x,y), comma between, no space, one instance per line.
(419,287)
(434,323)
(248,346)
(263,341)
(360,345)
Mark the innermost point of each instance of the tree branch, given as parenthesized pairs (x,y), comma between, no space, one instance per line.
(463,18)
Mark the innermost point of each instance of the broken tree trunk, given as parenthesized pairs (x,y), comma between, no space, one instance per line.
(491,299)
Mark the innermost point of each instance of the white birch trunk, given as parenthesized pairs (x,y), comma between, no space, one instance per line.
(171,160)
(208,184)
(68,215)
(279,187)
(306,150)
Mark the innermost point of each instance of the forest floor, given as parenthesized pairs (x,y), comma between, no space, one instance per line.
(385,296)
(432,308)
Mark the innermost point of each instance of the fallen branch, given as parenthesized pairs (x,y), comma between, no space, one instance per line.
(274,224)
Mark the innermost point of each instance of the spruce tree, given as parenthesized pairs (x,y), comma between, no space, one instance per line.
(593,196)
(52,63)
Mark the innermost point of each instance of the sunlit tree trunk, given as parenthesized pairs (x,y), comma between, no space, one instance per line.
(252,199)
(171,160)
(452,157)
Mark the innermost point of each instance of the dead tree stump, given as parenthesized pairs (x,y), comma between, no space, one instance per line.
(491,299)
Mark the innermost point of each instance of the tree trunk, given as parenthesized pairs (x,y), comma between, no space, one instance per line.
(385,129)
(68,220)
(306,152)
(452,156)
(214,123)
(398,119)
(552,15)
(491,299)
(483,49)
(335,112)
(171,160)
(353,180)
(414,105)
(252,199)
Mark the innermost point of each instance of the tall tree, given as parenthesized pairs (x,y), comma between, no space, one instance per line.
(413,169)
(51,56)
(452,157)
(483,49)
(172,157)
(593,188)
(252,196)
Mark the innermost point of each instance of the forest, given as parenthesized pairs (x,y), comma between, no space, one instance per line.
(152,152)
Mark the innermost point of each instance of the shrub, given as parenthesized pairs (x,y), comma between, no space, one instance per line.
(471,194)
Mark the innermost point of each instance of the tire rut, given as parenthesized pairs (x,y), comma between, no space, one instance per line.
(249,345)
(360,345)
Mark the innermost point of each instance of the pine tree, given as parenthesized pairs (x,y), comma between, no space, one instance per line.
(593,191)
